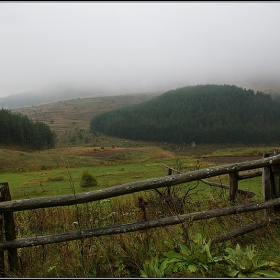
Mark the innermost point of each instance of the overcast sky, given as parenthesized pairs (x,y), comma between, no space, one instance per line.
(136,46)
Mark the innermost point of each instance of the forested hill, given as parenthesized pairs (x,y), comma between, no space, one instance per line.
(17,129)
(202,113)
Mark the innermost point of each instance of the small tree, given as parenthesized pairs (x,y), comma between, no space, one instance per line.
(88,180)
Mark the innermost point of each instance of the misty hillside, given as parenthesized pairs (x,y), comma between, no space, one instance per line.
(28,99)
(202,113)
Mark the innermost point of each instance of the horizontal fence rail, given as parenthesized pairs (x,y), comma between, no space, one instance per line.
(131,227)
(222,186)
(256,173)
(149,184)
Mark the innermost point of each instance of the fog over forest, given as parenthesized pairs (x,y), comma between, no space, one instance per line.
(126,47)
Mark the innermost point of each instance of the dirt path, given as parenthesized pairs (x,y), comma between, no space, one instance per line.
(226,160)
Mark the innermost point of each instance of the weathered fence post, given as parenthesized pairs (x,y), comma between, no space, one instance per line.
(268,186)
(169,187)
(275,169)
(9,226)
(2,259)
(169,171)
(233,185)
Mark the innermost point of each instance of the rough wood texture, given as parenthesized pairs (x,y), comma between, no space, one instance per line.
(233,185)
(249,175)
(34,203)
(275,170)
(213,184)
(276,173)
(167,221)
(9,225)
(2,256)
(244,230)
(267,184)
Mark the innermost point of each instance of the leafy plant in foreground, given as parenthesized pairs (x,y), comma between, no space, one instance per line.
(247,263)
(194,258)
(154,268)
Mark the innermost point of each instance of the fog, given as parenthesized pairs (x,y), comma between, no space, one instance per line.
(126,47)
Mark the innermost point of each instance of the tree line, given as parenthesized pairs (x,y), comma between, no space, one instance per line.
(202,113)
(18,129)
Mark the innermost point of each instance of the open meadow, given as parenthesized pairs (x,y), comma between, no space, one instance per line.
(112,162)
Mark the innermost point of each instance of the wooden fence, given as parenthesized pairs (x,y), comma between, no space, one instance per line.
(270,172)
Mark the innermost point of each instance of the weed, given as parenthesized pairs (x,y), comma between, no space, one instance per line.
(153,268)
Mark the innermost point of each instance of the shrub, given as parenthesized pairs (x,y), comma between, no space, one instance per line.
(88,180)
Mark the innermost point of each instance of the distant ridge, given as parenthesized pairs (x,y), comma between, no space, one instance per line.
(20,100)
(28,99)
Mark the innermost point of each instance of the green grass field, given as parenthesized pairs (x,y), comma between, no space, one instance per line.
(58,171)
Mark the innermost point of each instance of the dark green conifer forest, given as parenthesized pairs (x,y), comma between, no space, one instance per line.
(17,129)
(202,113)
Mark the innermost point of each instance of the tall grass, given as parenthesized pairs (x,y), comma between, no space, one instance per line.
(123,255)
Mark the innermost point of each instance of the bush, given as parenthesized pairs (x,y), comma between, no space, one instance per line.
(88,180)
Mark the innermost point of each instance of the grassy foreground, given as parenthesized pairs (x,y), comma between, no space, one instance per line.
(58,171)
